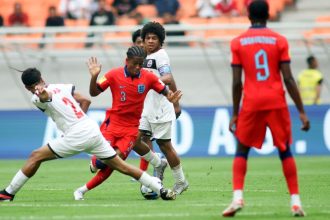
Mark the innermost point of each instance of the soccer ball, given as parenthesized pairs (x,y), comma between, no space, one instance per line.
(148,193)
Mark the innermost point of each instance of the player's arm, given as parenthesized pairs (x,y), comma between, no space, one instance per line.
(94,68)
(83,101)
(292,88)
(43,94)
(237,94)
(318,91)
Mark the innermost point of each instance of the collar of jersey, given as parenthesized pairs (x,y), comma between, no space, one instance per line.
(127,74)
(258,26)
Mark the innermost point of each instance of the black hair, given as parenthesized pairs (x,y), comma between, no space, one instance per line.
(310,59)
(135,35)
(136,51)
(258,10)
(31,76)
(155,28)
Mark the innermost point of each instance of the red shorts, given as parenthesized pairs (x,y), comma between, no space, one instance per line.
(121,138)
(251,127)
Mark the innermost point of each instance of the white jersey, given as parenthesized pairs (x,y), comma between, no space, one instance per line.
(62,108)
(157,109)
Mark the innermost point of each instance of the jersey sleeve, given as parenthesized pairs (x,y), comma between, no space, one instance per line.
(284,50)
(104,82)
(235,59)
(163,64)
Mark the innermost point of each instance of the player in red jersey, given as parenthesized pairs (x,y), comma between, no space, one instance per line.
(129,86)
(263,55)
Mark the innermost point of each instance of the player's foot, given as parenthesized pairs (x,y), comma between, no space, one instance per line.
(159,171)
(178,188)
(234,207)
(6,197)
(167,194)
(78,195)
(297,211)
(92,164)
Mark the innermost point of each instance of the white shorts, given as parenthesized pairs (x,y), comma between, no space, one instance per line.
(162,131)
(83,137)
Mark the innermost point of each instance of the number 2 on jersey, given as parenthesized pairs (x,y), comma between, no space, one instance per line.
(261,61)
(67,101)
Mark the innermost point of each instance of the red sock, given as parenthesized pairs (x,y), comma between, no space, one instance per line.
(144,164)
(99,178)
(290,172)
(239,171)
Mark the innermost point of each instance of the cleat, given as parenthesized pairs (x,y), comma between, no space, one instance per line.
(92,165)
(159,171)
(297,211)
(179,188)
(6,197)
(167,194)
(78,195)
(233,208)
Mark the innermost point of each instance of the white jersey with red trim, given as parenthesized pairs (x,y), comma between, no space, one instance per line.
(157,108)
(62,107)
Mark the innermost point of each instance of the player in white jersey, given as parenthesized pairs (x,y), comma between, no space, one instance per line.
(80,134)
(158,113)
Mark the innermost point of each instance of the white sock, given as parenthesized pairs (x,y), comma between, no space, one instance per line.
(178,174)
(17,182)
(295,200)
(150,182)
(83,189)
(237,195)
(152,158)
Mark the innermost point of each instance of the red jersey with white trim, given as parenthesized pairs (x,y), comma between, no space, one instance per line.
(128,94)
(260,51)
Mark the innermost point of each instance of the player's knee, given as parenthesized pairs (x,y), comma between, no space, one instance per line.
(285,154)
(36,156)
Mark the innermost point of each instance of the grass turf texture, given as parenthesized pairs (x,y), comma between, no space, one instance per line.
(49,194)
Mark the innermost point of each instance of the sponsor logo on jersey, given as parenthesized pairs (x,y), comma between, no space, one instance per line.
(141,88)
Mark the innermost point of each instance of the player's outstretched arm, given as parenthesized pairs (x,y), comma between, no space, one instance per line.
(83,101)
(94,68)
(292,88)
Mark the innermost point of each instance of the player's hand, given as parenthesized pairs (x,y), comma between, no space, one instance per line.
(232,123)
(42,93)
(174,96)
(94,66)
(177,109)
(305,122)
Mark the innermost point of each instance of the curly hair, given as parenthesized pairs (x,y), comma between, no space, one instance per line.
(136,51)
(154,28)
(31,76)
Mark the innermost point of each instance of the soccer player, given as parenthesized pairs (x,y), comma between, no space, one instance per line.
(129,86)
(263,54)
(158,112)
(81,134)
(136,38)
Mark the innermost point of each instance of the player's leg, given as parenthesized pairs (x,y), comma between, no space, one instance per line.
(143,162)
(31,166)
(280,126)
(163,133)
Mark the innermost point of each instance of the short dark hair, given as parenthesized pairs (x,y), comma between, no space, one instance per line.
(136,51)
(155,28)
(135,35)
(31,76)
(258,10)
(310,59)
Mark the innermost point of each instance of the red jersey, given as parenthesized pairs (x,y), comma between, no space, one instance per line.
(260,51)
(128,94)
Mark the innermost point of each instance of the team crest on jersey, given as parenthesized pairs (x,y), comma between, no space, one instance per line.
(149,64)
(141,88)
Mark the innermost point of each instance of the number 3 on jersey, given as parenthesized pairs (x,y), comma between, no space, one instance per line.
(261,61)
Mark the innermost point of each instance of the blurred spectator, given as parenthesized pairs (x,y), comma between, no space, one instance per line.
(167,6)
(206,8)
(145,2)
(101,17)
(170,19)
(75,9)
(310,82)
(124,8)
(53,19)
(227,8)
(1,21)
(18,17)
(140,19)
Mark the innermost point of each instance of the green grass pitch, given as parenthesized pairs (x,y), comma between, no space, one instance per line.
(49,194)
